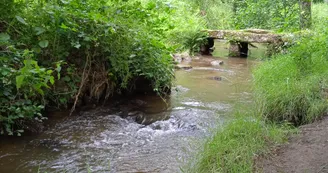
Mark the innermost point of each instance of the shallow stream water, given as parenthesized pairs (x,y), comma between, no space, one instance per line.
(139,134)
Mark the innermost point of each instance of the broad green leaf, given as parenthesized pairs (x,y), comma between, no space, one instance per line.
(37,87)
(63,26)
(44,43)
(4,37)
(19,81)
(36,50)
(49,72)
(52,80)
(65,2)
(21,20)
(67,79)
(77,45)
(58,69)
(20,131)
(39,30)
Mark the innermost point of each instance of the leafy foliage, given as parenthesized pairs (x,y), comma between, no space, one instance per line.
(53,52)
(243,14)
(218,14)
(274,14)
(23,83)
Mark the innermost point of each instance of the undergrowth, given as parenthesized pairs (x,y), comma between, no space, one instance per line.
(319,14)
(277,15)
(293,86)
(59,54)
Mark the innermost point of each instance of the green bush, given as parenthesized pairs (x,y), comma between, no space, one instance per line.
(244,14)
(267,14)
(61,51)
(23,83)
(319,14)
(217,14)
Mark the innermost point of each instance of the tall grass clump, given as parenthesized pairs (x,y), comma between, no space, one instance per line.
(293,86)
(235,146)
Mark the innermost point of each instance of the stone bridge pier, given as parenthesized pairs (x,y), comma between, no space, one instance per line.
(240,40)
(238,49)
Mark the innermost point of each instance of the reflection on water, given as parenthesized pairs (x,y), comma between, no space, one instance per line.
(141,134)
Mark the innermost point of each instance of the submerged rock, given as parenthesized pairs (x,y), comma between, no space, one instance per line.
(217,78)
(183,67)
(216,63)
(182,57)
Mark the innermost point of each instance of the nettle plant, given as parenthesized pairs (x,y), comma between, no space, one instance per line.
(23,84)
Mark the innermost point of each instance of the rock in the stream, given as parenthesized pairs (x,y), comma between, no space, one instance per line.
(217,78)
(216,63)
(196,57)
(183,67)
(182,57)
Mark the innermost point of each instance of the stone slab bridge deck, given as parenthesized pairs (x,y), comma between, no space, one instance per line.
(240,39)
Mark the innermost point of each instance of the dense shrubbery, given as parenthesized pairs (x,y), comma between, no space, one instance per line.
(293,87)
(55,53)
(240,14)
(275,14)
(319,14)
(218,14)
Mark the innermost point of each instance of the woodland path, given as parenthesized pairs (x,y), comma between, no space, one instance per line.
(306,152)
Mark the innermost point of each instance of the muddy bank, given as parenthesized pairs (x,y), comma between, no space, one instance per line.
(305,152)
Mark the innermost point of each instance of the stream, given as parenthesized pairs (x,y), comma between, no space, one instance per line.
(142,134)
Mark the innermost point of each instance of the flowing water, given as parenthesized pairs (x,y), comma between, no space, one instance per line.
(139,134)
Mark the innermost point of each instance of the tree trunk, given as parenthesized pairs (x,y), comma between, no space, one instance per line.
(305,13)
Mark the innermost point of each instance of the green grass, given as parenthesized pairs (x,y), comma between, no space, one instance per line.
(287,92)
(293,86)
(235,145)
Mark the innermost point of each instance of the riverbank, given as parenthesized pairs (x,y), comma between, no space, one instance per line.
(235,146)
(290,91)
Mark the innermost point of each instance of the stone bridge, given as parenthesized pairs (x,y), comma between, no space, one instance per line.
(241,39)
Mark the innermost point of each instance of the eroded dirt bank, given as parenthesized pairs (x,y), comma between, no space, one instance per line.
(306,152)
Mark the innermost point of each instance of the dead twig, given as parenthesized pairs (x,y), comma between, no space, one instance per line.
(84,78)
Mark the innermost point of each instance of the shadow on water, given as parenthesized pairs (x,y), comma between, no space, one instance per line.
(137,134)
